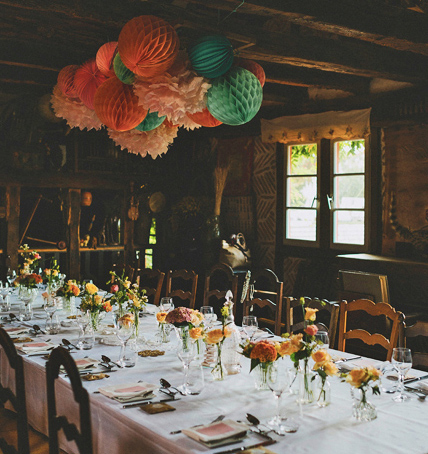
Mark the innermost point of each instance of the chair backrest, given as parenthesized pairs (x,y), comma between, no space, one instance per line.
(151,281)
(296,323)
(127,270)
(274,319)
(418,330)
(83,437)
(17,398)
(177,278)
(374,310)
(220,275)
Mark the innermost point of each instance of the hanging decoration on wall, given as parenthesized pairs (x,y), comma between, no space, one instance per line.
(142,88)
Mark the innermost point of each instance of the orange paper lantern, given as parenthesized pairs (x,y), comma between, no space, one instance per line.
(66,81)
(117,106)
(254,68)
(204,118)
(105,57)
(86,81)
(148,45)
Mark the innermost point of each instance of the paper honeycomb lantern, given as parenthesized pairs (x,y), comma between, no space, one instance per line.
(117,106)
(105,57)
(236,97)
(204,118)
(152,121)
(86,81)
(254,68)
(211,56)
(148,45)
(122,72)
(66,81)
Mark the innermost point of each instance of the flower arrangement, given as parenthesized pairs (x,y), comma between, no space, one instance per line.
(69,289)
(30,260)
(183,316)
(51,276)
(324,367)
(92,301)
(30,280)
(120,289)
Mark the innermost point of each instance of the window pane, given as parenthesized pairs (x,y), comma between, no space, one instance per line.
(148,258)
(301,224)
(302,159)
(349,156)
(301,191)
(348,227)
(349,191)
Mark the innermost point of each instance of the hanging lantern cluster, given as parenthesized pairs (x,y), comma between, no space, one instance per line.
(143,87)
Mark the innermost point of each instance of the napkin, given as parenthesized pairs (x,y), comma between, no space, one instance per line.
(86,363)
(36,347)
(129,392)
(218,433)
(359,363)
(16,331)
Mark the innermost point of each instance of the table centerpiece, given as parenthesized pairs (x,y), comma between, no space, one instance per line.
(94,303)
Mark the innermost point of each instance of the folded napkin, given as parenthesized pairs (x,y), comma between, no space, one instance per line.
(16,331)
(218,433)
(360,363)
(129,392)
(86,363)
(36,347)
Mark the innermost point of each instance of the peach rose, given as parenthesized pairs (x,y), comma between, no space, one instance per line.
(196,318)
(286,348)
(195,333)
(107,306)
(357,377)
(330,368)
(127,319)
(160,316)
(373,372)
(214,336)
(321,356)
(98,299)
(311,330)
(310,314)
(75,289)
(296,339)
(91,288)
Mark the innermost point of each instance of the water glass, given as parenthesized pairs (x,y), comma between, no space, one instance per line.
(166,304)
(322,338)
(53,325)
(124,331)
(4,303)
(195,378)
(402,362)
(25,311)
(209,316)
(86,338)
(250,325)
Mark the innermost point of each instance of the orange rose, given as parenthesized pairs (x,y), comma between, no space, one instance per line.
(310,314)
(321,356)
(330,368)
(160,316)
(195,333)
(214,336)
(357,377)
(107,306)
(296,339)
(264,352)
(286,348)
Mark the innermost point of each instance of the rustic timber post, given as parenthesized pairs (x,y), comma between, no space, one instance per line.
(13,206)
(128,229)
(73,234)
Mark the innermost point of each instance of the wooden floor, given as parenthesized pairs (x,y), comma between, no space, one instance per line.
(38,443)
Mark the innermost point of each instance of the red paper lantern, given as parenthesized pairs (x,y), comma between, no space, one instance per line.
(254,68)
(117,106)
(86,81)
(66,81)
(148,45)
(204,118)
(105,57)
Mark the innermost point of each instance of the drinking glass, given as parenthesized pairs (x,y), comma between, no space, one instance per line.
(187,353)
(323,339)
(402,362)
(86,338)
(53,325)
(50,306)
(166,304)
(278,381)
(28,295)
(209,316)
(10,276)
(4,297)
(250,325)
(195,378)
(124,331)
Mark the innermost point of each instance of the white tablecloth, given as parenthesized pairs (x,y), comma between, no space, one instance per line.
(399,428)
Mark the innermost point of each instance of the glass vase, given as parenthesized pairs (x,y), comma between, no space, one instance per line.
(305,379)
(260,374)
(163,333)
(322,390)
(95,320)
(362,409)
(218,372)
(69,304)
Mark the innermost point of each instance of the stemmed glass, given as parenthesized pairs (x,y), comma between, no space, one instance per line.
(86,332)
(187,353)
(124,330)
(4,292)
(166,304)
(250,325)
(51,306)
(322,338)
(10,276)
(209,316)
(402,362)
(278,380)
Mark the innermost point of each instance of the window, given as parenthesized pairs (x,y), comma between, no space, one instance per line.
(326,194)
(148,253)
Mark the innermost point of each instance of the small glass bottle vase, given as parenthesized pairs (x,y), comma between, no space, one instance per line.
(260,374)
(322,391)
(218,372)
(362,409)
(305,378)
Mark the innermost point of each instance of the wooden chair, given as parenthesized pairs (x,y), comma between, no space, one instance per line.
(220,275)
(127,270)
(265,293)
(151,281)
(374,310)
(328,309)
(83,438)
(413,333)
(181,278)
(17,399)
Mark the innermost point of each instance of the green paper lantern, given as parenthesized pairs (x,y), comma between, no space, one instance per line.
(234,99)
(152,121)
(122,72)
(211,56)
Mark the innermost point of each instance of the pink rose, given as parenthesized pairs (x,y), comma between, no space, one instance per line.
(114,288)
(311,330)
(37,256)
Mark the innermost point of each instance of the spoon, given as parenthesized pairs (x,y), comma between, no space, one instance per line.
(12,317)
(38,330)
(421,396)
(107,360)
(68,344)
(255,422)
(165,384)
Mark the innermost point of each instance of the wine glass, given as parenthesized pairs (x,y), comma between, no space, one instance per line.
(209,316)
(250,325)
(50,306)
(86,338)
(124,331)
(166,304)
(402,362)
(278,381)
(322,338)
(4,296)
(186,352)
(10,276)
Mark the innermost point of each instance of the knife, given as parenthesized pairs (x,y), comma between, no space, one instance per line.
(423,377)
(146,402)
(347,359)
(243,448)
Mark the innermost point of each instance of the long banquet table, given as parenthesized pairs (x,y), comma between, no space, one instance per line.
(399,428)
